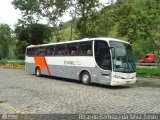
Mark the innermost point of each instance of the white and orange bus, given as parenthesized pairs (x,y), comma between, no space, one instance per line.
(106,61)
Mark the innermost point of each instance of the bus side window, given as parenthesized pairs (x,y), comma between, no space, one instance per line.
(29,52)
(34,51)
(60,50)
(72,49)
(50,50)
(86,48)
(41,51)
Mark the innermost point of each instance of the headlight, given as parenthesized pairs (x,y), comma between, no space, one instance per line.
(119,77)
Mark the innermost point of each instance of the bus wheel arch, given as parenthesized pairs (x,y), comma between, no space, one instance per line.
(85,77)
(37,71)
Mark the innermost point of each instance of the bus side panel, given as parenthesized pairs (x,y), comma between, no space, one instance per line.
(30,65)
(30,68)
(71,67)
(67,66)
(45,72)
(63,71)
(101,76)
(96,75)
(73,72)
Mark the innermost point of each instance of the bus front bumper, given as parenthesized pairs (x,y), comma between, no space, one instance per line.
(119,82)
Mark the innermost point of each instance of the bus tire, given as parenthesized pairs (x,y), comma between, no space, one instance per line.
(85,78)
(38,72)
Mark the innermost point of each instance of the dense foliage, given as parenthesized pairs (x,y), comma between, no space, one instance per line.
(31,34)
(136,21)
(5,40)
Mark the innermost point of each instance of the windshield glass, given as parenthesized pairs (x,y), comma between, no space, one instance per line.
(123,58)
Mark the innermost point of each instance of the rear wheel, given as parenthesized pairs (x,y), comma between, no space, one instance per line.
(85,78)
(38,72)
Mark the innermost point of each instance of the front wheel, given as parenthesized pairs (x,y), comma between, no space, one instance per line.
(86,78)
(38,72)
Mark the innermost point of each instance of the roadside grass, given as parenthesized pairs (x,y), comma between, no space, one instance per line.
(142,83)
(148,72)
(12,63)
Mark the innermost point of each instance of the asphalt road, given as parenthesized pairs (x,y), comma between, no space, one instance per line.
(23,93)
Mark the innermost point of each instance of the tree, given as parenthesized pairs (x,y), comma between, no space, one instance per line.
(30,10)
(85,8)
(138,24)
(73,14)
(34,33)
(31,34)
(153,11)
(5,39)
(52,10)
(100,23)
(20,49)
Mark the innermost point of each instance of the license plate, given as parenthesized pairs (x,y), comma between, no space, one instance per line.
(128,82)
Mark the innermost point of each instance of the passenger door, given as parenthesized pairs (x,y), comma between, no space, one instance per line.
(103,60)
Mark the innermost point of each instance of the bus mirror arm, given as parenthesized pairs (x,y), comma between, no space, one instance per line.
(113,52)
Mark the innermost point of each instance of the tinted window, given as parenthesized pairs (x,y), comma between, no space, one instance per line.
(85,48)
(60,50)
(50,50)
(31,51)
(41,51)
(72,49)
(102,55)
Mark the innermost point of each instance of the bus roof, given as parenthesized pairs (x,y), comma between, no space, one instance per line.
(80,40)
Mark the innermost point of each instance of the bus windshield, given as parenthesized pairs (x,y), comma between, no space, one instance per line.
(123,60)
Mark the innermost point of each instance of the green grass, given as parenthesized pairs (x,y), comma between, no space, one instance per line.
(148,72)
(141,83)
(2,63)
(12,63)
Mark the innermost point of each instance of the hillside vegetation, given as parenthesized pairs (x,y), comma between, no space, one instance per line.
(135,21)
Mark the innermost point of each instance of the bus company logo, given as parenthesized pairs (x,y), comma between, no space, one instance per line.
(69,62)
(78,63)
(9,117)
(4,117)
(72,62)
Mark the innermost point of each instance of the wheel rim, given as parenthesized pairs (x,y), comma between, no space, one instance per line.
(85,78)
(38,72)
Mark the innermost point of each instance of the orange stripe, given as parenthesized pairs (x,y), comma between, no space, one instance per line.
(41,62)
(49,73)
